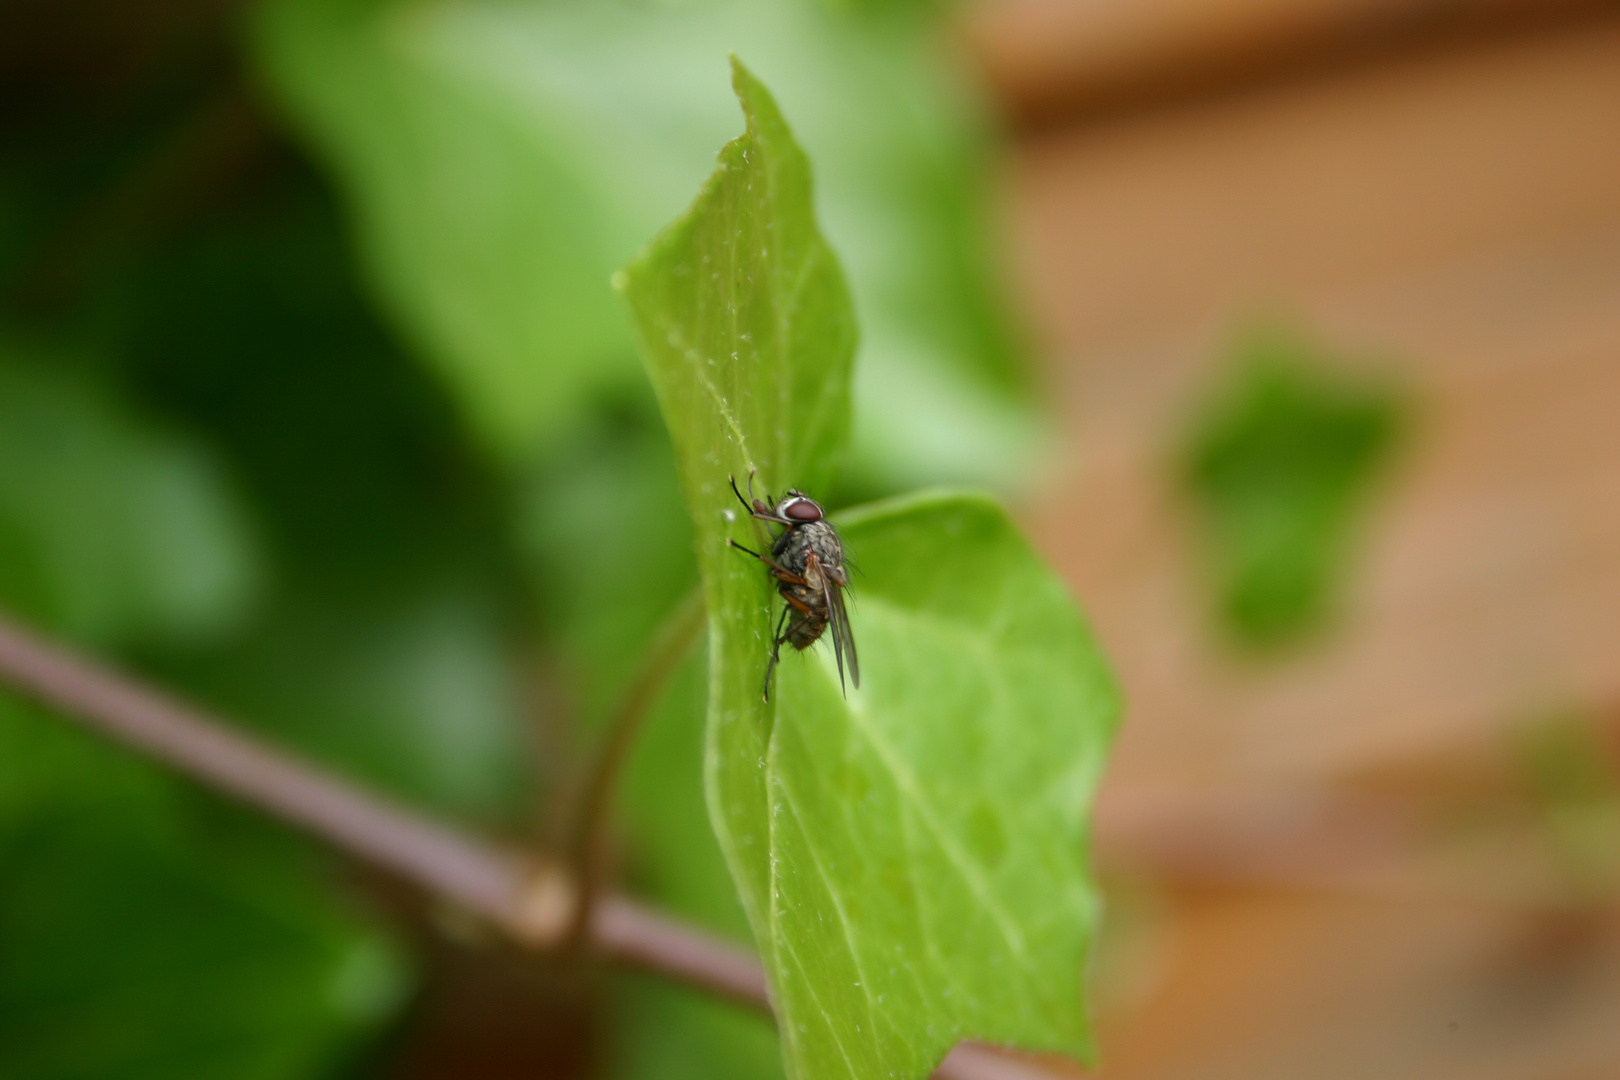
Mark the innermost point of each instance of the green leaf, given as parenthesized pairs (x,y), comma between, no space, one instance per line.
(744,315)
(926,835)
(1279,466)
(111,527)
(911,857)
(503,157)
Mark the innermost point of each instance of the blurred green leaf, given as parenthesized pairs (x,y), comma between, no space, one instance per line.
(227,396)
(606,536)
(111,527)
(503,157)
(250,329)
(911,857)
(413,693)
(669,1033)
(386,647)
(1570,771)
(143,932)
(1279,466)
(137,943)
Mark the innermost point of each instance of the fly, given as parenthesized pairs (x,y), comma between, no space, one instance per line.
(807,562)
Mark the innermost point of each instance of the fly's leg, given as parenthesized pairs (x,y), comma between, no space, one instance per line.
(757,504)
(793,604)
(754,506)
(781,572)
(776,650)
(746,550)
(751,504)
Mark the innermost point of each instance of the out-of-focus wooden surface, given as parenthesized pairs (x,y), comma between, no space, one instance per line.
(1450,214)
(1051,61)
(1457,221)
(1326,987)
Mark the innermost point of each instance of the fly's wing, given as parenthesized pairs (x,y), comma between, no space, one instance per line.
(843,639)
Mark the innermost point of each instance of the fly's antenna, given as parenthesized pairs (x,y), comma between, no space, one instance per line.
(746,504)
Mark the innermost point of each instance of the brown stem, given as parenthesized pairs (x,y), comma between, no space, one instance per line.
(670,645)
(632,933)
(536,905)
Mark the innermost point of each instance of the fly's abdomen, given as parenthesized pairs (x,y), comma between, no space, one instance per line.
(806,632)
(805,628)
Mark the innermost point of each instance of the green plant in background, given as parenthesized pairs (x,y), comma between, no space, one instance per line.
(503,158)
(909,855)
(1280,466)
(220,479)
(146,933)
(111,528)
(1570,775)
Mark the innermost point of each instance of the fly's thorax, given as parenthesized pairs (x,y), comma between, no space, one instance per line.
(792,549)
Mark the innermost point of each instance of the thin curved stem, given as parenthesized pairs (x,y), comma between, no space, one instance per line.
(670,645)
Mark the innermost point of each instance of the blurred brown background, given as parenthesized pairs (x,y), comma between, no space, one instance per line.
(1331,863)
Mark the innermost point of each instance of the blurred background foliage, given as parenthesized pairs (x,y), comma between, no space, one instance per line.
(501,160)
(1280,465)
(315,405)
(1569,774)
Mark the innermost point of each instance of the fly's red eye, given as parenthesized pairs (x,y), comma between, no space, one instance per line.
(802,510)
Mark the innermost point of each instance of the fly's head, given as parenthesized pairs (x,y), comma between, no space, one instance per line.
(797,508)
